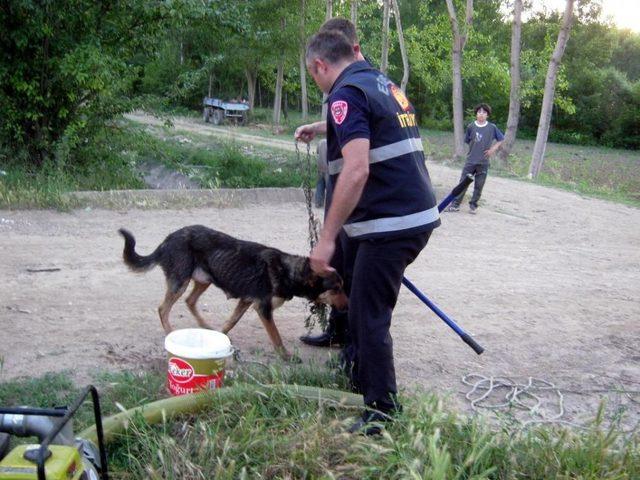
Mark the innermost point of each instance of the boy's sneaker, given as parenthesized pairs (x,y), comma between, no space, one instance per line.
(473,209)
(453,208)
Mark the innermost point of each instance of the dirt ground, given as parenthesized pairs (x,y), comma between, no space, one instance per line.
(547,281)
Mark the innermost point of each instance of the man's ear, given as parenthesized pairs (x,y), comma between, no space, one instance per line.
(320,65)
(313,66)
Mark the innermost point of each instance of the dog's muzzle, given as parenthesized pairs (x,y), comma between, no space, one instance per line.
(337,299)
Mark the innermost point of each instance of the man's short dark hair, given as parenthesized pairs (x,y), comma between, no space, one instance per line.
(482,106)
(331,46)
(342,25)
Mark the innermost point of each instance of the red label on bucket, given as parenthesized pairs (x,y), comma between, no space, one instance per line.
(182,379)
(180,371)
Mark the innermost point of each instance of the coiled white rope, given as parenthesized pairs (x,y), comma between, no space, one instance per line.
(540,399)
(498,393)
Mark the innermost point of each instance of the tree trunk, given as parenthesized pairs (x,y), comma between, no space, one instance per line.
(354,12)
(304,100)
(285,105)
(210,83)
(384,60)
(328,15)
(303,86)
(537,158)
(456,97)
(251,86)
(514,95)
(277,101)
(403,50)
(459,40)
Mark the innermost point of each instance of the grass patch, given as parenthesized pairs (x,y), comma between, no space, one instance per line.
(126,389)
(611,174)
(600,172)
(119,155)
(275,434)
(53,389)
(224,164)
(116,157)
(103,164)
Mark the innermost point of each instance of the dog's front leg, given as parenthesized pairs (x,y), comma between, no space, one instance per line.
(265,312)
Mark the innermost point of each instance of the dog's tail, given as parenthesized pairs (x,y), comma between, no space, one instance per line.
(134,261)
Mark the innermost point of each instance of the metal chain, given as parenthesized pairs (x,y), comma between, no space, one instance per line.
(317,312)
(313,222)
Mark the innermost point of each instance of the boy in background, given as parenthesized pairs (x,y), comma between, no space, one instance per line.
(480,136)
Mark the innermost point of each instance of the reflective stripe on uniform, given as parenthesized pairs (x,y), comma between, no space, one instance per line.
(392,224)
(380,154)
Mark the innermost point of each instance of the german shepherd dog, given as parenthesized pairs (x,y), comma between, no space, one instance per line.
(257,275)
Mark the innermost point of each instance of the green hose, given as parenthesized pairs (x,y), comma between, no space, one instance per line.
(168,408)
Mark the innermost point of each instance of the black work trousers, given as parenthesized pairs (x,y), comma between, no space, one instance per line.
(338,320)
(373,275)
(479,171)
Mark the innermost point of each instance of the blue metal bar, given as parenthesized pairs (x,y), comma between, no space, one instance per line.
(468,339)
(466,181)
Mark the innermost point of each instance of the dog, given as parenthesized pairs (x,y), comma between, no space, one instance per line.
(257,275)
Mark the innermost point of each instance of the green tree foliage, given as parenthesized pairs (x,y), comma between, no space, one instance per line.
(66,66)
(485,67)
(428,46)
(594,101)
(229,39)
(626,54)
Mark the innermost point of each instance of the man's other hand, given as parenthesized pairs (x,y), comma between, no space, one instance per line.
(306,133)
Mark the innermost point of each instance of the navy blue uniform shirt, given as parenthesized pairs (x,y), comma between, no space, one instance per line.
(397,199)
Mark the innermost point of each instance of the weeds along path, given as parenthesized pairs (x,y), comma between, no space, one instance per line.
(201,128)
(546,280)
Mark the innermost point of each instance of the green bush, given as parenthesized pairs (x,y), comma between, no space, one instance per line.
(62,74)
(436,124)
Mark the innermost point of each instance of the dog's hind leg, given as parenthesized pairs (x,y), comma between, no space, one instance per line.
(198,289)
(241,307)
(265,312)
(171,296)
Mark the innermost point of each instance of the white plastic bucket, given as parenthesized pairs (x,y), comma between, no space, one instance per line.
(197,359)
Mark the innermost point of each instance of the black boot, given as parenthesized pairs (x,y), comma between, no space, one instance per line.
(369,424)
(334,336)
(376,416)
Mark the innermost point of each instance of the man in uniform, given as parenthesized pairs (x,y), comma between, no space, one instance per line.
(336,332)
(383,207)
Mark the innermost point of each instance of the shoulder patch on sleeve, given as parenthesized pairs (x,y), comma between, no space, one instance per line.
(400,97)
(339,110)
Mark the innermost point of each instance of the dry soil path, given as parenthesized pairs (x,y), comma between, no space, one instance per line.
(546,280)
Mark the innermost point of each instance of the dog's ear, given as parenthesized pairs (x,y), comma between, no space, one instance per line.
(332,282)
